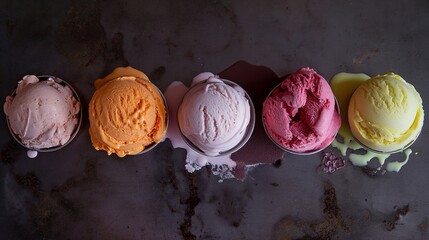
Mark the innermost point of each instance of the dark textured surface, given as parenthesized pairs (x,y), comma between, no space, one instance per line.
(79,193)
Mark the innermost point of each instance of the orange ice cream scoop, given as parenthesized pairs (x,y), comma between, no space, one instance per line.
(127,113)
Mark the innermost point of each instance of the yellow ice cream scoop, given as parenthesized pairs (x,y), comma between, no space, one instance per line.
(385,113)
(127,113)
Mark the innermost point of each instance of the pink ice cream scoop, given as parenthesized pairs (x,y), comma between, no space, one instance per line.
(214,116)
(300,114)
(42,114)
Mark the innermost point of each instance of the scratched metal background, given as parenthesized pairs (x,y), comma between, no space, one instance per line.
(79,193)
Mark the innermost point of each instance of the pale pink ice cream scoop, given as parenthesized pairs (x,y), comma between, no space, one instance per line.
(213,115)
(300,114)
(42,114)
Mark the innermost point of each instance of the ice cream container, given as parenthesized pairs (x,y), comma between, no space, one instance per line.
(385,114)
(44,113)
(128,114)
(301,114)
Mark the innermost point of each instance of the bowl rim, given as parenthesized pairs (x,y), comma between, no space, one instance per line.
(167,120)
(405,147)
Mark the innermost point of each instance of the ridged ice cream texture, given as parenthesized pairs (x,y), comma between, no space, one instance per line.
(300,114)
(214,115)
(385,113)
(127,113)
(43,114)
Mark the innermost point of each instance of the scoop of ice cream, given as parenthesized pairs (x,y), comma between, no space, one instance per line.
(127,113)
(214,115)
(300,114)
(42,114)
(385,113)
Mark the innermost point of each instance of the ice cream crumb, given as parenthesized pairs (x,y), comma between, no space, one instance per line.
(189,168)
(331,163)
(32,153)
